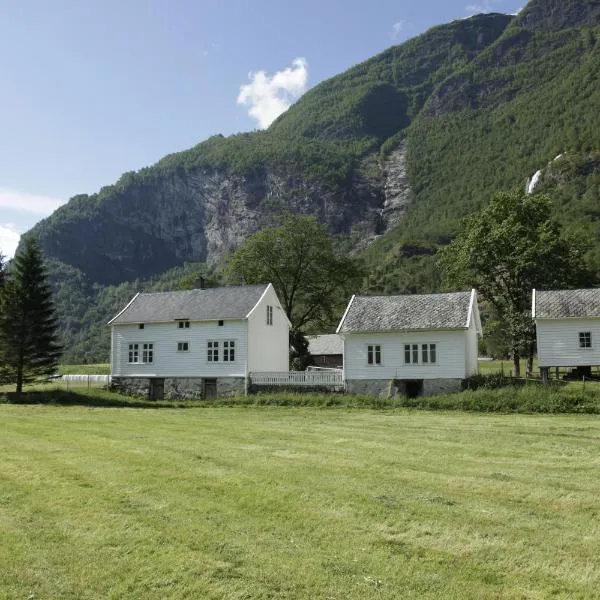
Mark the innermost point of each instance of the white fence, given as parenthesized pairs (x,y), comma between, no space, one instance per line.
(86,379)
(333,379)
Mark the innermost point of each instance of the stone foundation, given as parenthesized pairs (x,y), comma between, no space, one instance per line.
(132,386)
(179,388)
(184,388)
(390,388)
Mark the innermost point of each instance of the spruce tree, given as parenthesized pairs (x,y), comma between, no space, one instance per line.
(28,343)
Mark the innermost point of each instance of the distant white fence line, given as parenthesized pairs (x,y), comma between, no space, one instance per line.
(299,378)
(87,378)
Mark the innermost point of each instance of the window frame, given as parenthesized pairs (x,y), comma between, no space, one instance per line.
(420,350)
(229,350)
(585,340)
(183,324)
(374,352)
(187,346)
(133,351)
(147,353)
(212,351)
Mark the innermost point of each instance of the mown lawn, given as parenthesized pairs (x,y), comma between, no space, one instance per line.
(265,503)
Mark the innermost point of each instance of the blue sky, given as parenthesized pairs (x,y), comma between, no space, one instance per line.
(93,88)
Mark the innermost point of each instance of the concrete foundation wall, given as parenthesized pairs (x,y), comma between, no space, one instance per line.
(179,388)
(433,387)
(381,388)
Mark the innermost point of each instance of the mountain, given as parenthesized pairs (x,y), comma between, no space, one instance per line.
(390,155)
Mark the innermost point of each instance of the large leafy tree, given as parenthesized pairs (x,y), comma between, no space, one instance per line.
(28,342)
(313,282)
(507,249)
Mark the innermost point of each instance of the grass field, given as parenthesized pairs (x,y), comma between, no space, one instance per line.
(269,503)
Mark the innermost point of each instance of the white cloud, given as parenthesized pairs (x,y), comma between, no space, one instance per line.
(9,239)
(485,7)
(397,28)
(269,96)
(30,203)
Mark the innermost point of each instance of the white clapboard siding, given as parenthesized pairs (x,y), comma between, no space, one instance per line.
(168,362)
(451,349)
(268,345)
(472,349)
(299,378)
(558,342)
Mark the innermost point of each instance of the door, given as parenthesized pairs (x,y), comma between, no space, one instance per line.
(210,389)
(157,389)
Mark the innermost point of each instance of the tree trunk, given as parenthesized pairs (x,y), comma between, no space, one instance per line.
(516,363)
(19,382)
(20,375)
(530,360)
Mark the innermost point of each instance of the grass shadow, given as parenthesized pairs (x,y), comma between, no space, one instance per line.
(101,399)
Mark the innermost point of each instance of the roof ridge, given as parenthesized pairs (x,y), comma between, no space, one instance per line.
(220,287)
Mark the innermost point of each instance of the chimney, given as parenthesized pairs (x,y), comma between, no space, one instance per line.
(199,283)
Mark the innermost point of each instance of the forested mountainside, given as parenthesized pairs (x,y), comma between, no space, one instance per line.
(390,155)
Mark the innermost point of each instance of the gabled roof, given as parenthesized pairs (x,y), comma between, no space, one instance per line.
(404,313)
(564,304)
(234,302)
(328,344)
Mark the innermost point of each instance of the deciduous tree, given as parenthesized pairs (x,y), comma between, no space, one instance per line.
(312,281)
(507,249)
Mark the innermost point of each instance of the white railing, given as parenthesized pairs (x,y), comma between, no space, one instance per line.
(299,378)
(87,378)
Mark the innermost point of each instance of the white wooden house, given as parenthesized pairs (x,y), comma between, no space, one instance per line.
(198,343)
(567,326)
(418,344)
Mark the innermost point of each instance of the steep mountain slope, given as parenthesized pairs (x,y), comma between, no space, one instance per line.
(396,149)
(318,158)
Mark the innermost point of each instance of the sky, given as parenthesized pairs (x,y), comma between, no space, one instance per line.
(90,89)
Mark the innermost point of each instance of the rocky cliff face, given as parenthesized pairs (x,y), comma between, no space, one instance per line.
(396,188)
(199,216)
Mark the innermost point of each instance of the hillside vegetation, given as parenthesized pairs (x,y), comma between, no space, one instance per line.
(478,105)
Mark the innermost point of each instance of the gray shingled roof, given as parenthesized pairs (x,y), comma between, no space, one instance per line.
(562,304)
(328,344)
(233,302)
(397,313)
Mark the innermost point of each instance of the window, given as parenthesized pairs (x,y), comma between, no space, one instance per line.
(148,353)
(269,315)
(133,353)
(220,323)
(228,351)
(411,354)
(213,351)
(183,324)
(428,354)
(141,326)
(585,339)
(373,354)
(183,346)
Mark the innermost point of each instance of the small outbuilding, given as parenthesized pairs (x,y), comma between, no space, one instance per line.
(415,345)
(567,324)
(327,350)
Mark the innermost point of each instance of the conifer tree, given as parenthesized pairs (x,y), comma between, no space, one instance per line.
(28,344)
